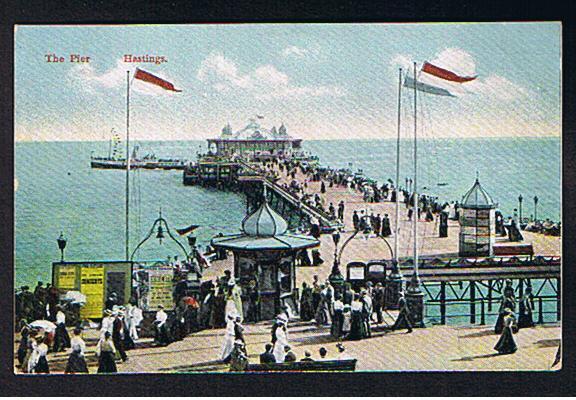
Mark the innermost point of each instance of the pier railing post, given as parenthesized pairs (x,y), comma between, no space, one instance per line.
(540,313)
(472,302)
(490,295)
(482,313)
(443,303)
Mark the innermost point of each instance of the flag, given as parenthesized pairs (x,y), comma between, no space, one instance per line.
(445,74)
(423,87)
(186,230)
(150,78)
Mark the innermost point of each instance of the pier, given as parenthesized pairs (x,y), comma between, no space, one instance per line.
(448,280)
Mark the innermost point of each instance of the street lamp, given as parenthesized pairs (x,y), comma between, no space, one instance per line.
(336,279)
(535,208)
(61,245)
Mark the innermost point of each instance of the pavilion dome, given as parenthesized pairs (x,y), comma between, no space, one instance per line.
(264,222)
(477,197)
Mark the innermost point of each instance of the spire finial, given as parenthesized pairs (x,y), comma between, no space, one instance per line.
(477,175)
(264,185)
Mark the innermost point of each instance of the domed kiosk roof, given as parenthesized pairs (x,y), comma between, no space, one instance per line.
(265,229)
(264,222)
(477,197)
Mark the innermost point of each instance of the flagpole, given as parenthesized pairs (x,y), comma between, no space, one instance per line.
(127,165)
(398,169)
(415,282)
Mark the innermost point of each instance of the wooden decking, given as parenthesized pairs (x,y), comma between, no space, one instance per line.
(365,249)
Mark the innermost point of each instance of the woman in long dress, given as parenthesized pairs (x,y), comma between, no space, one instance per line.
(358,329)
(506,343)
(337,320)
(76,361)
(525,317)
(38,359)
(23,346)
(281,342)
(61,338)
(346,321)
(506,303)
(229,336)
(106,353)
(28,363)
(306,308)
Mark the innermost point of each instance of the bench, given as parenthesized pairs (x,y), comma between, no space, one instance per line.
(329,365)
(520,249)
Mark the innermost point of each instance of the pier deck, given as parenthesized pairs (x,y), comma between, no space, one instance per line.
(364,250)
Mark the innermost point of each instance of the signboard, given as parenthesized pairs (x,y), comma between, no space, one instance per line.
(160,288)
(67,277)
(92,286)
(356,273)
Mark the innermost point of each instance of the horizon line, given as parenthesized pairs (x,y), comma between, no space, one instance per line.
(309,140)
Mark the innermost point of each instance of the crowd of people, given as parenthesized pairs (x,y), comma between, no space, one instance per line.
(349,314)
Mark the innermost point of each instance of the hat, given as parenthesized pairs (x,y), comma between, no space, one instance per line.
(107,312)
(160,306)
(231,282)
(340,347)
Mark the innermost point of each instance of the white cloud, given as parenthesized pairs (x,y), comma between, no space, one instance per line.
(456,60)
(497,87)
(294,51)
(401,61)
(83,76)
(264,82)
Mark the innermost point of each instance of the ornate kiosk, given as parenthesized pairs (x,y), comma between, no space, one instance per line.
(477,223)
(264,261)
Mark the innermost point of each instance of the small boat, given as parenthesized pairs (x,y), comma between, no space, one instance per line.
(442,184)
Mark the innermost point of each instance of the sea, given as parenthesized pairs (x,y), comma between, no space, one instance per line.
(57,192)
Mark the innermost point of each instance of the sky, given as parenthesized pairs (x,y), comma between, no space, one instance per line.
(323,81)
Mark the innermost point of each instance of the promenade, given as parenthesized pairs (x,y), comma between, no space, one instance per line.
(436,348)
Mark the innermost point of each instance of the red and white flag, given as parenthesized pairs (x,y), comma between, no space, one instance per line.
(445,74)
(153,79)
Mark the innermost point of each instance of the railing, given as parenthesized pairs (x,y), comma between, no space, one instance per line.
(538,312)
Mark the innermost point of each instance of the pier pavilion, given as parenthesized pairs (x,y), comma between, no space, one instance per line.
(264,260)
(254,142)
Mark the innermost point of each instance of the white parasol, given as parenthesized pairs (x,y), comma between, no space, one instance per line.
(75,297)
(43,324)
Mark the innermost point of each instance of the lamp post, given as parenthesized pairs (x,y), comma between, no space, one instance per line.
(520,198)
(535,208)
(61,245)
(336,279)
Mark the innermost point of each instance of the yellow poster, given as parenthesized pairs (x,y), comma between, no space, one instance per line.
(92,286)
(160,281)
(67,277)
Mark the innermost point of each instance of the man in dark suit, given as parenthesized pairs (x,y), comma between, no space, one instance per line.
(118,333)
(290,356)
(267,357)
